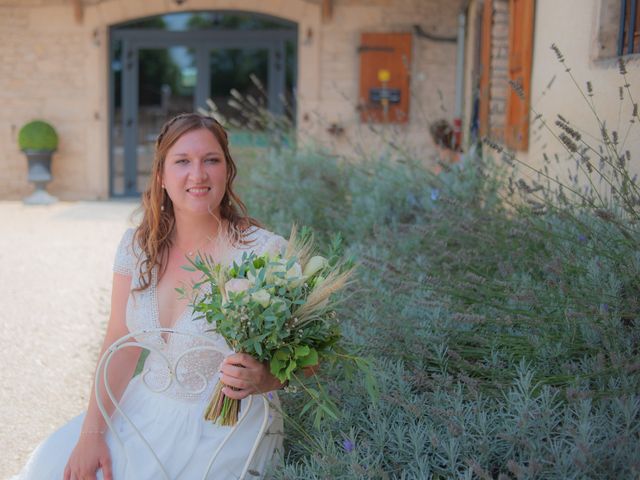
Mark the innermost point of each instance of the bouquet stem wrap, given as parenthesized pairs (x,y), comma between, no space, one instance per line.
(222,409)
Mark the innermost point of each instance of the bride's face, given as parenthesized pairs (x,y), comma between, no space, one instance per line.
(195,173)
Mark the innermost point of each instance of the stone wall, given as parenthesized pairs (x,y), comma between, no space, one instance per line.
(590,53)
(432,73)
(43,75)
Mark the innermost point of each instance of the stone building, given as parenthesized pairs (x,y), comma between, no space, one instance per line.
(106,73)
(512,40)
(350,75)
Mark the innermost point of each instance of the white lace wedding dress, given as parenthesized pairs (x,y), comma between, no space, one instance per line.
(172,420)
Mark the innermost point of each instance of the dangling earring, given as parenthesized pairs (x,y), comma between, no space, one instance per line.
(163,193)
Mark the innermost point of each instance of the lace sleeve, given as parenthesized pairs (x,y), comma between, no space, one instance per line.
(124,262)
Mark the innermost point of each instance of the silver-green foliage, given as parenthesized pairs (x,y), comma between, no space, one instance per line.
(504,333)
(505,341)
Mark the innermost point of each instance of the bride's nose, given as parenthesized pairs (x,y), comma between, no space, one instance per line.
(198,172)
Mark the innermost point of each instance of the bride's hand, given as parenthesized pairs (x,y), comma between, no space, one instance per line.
(89,454)
(247,376)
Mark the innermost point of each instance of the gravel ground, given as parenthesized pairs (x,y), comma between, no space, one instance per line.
(55,287)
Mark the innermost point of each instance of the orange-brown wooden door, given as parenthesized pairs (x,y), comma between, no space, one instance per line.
(521,18)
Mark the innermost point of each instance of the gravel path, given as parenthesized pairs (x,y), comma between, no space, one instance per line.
(55,287)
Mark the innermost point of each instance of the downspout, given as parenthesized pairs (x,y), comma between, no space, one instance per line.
(457,114)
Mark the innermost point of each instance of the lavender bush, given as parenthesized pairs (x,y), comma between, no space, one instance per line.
(502,314)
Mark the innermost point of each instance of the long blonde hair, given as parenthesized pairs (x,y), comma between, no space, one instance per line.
(154,234)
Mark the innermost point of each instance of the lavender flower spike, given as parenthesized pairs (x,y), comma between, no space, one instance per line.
(347,445)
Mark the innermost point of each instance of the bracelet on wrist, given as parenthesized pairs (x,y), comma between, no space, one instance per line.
(95,431)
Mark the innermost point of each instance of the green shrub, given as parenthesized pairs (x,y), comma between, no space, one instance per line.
(37,135)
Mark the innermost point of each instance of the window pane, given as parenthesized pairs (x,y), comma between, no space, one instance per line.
(166,88)
(246,72)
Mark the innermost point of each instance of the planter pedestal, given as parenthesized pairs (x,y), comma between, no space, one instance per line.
(39,175)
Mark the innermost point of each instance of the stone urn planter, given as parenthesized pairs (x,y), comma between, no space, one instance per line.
(38,140)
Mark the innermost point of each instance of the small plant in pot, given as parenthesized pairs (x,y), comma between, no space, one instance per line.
(38,140)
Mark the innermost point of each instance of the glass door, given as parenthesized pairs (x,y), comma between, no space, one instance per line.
(156,84)
(166,87)
(239,88)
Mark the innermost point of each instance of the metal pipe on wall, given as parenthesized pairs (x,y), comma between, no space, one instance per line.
(457,115)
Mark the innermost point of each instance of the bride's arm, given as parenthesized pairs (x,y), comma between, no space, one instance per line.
(123,363)
(91,451)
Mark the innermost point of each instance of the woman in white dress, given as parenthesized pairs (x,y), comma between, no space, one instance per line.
(189,208)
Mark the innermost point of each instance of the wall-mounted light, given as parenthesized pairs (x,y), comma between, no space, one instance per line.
(308,38)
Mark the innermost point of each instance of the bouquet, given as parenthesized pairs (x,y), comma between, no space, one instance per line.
(279,308)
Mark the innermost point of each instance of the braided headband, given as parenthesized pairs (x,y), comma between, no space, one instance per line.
(167,125)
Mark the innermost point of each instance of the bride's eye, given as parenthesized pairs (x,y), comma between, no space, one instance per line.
(212,160)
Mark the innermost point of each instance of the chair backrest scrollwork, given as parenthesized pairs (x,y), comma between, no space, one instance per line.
(136,339)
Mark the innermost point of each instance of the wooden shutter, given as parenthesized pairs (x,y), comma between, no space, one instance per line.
(629,39)
(485,67)
(521,16)
(390,52)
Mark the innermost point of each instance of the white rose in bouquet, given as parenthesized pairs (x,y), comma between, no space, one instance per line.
(274,247)
(262,297)
(314,265)
(294,275)
(278,274)
(237,285)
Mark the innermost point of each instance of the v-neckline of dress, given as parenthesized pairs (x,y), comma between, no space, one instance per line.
(164,336)
(156,305)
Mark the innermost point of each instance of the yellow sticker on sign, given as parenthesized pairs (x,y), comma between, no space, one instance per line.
(384,75)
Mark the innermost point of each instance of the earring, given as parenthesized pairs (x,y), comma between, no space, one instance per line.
(162,208)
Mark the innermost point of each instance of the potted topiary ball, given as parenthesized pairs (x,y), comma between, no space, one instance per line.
(38,140)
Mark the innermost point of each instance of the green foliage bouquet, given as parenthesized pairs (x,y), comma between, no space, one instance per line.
(278,308)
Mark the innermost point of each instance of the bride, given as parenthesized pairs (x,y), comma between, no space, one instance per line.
(188,208)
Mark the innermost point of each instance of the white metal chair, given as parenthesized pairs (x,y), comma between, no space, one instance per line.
(133,340)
